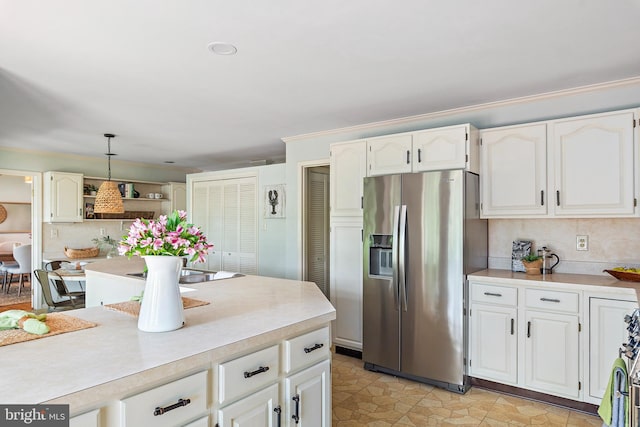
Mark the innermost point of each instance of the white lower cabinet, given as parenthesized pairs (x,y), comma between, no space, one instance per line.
(494,343)
(309,396)
(88,419)
(551,354)
(173,404)
(258,409)
(526,337)
(249,387)
(202,422)
(607,332)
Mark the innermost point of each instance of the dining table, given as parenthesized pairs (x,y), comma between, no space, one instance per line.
(75,279)
(6,256)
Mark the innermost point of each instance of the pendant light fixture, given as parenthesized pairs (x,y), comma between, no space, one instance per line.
(108,199)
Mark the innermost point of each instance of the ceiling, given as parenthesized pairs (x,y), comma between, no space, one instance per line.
(71,70)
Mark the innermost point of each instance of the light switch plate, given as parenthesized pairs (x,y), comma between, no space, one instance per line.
(582,243)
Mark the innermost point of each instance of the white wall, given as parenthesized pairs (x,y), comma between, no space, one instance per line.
(593,99)
(13,189)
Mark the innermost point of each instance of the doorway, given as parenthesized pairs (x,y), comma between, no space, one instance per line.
(315,248)
(20,195)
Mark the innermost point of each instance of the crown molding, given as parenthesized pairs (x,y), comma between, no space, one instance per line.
(468,109)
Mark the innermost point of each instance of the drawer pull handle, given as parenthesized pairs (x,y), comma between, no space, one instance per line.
(178,404)
(278,411)
(296,416)
(529,329)
(549,299)
(260,370)
(408,161)
(492,294)
(512,326)
(419,155)
(315,347)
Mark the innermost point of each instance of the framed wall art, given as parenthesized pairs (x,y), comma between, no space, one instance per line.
(274,201)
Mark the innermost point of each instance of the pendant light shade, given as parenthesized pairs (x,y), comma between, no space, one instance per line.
(108,198)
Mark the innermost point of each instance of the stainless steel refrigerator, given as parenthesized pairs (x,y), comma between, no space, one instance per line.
(422,236)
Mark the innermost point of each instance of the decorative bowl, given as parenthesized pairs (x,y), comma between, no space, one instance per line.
(624,275)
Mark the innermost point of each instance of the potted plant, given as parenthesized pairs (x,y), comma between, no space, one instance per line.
(90,190)
(108,244)
(532,263)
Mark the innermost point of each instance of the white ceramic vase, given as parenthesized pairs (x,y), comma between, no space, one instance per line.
(161,309)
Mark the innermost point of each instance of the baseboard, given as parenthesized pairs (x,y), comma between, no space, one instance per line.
(534,395)
(348,352)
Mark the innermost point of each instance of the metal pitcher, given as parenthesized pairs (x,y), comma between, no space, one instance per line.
(547,256)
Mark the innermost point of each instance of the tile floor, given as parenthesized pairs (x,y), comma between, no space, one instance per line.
(363,398)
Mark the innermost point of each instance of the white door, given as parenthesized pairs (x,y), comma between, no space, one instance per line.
(593,170)
(260,409)
(346,283)
(551,353)
(308,395)
(239,226)
(389,154)
(348,166)
(439,149)
(513,171)
(607,332)
(207,204)
(494,343)
(63,197)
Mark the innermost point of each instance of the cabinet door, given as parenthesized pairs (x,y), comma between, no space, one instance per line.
(494,342)
(513,171)
(593,169)
(389,155)
(178,196)
(348,168)
(607,331)
(63,197)
(551,353)
(439,149)
(258,409)
(308,395)
(346,283)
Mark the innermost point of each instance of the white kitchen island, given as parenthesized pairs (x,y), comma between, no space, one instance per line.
(112,370)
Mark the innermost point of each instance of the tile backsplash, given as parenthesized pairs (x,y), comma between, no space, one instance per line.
(612,242)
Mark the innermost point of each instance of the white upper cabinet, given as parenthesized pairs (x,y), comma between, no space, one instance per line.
(451,147)
(594,161)
(63,194)
(389,154)
(348,168)
(513,171)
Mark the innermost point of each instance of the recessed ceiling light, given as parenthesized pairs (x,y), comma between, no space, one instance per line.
(222,48)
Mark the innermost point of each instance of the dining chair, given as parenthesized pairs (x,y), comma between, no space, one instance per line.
(45,281)
(53,265)
(22,255)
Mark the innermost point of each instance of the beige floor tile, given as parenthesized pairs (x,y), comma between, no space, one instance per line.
(364,398)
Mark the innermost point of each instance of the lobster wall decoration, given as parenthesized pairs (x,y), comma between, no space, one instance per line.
(273,200)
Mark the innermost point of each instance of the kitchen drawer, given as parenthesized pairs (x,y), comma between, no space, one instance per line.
(566,302)
(247,373)
(306,349)
(493,294)
(142,409)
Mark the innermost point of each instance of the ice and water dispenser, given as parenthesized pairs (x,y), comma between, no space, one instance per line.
(380,255)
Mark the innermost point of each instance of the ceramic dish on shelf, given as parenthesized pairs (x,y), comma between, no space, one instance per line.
(624,275)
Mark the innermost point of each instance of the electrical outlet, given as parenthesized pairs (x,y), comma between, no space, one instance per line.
(103,232)
(54,233)
(582,243)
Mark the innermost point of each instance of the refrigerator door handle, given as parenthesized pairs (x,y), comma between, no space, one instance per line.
(401,256)
(394,256)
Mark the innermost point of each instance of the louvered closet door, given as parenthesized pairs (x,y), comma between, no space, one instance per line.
(239,226)
(215,225)
(318,231)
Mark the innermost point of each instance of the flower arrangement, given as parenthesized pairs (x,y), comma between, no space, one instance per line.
(169,235)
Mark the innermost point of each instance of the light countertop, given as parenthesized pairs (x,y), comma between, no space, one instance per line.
(243,312)
(599,283)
